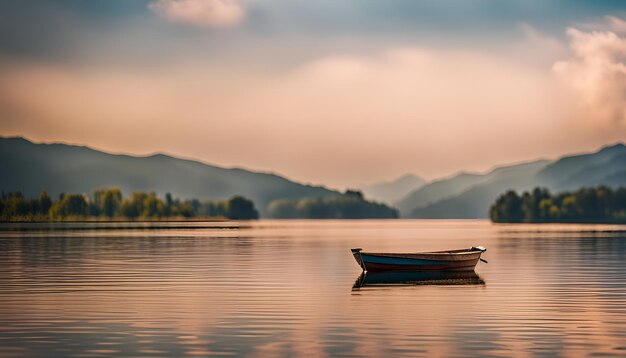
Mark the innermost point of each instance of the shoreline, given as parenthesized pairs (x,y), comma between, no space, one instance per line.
(119,220)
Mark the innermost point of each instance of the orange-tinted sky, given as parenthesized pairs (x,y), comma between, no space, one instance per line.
(317,100)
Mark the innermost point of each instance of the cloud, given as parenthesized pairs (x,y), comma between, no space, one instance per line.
(405,103)
(203,13)
(616,24)
(597,73)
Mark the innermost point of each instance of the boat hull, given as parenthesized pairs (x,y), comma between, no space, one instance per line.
(456,260)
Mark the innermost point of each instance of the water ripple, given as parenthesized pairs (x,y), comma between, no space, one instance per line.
(283,288)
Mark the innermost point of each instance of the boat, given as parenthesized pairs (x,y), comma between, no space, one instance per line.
(414,278)
(449,260)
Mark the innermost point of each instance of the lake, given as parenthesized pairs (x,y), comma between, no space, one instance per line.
(285,288)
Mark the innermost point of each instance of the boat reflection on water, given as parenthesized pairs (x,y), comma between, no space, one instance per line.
(411,278)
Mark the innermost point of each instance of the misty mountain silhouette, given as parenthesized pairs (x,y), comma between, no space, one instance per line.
(467,196)
(61,168)
(392,191)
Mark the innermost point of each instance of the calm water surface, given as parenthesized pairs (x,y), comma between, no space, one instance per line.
(285,288)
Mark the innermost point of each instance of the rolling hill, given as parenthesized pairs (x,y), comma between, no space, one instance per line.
(61,168)
(392,191)
(436,191)
(469,195)
(574,171)
(474,202)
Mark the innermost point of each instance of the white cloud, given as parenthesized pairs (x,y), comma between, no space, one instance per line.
(616,24)
(393,111)
(597,72)
(204,13)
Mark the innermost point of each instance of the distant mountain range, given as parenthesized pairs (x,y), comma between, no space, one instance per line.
(391,191)
(470,195)
(61,168)
(606,166)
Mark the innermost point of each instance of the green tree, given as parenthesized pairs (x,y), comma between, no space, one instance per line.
(128,209)
(110,202)
(350,205)
(169,205)
(507,208)
(569,207)
(601,204)
(15,205)
(107,202)
(152,206)
(70,205)
(186,209)
(45,203)
(240,208)
(354,193)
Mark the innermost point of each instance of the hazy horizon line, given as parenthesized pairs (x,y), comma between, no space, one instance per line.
(304,182)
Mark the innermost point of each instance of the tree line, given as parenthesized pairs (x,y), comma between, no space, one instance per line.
(586,205)
(350,205)
(110,203)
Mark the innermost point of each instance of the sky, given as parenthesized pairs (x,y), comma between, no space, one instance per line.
(339,93)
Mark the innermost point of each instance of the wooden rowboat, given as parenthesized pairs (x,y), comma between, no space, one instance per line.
(450,260)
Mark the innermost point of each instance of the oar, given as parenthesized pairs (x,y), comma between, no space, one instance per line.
(485,261)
